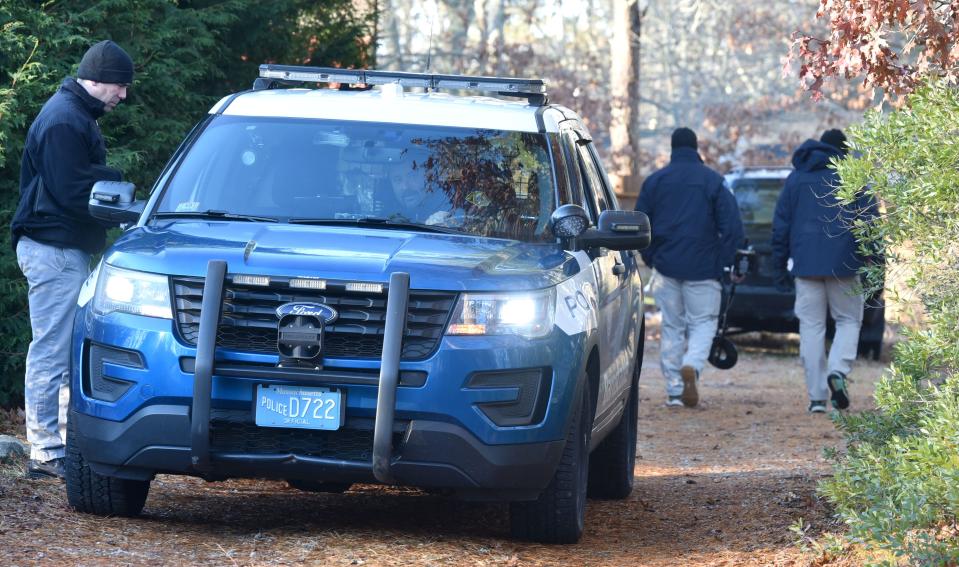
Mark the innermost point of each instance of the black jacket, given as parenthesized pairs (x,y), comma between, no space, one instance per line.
(63,157)
(810,225)
(695,221)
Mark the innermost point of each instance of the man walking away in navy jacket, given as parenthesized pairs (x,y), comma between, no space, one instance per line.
(696,229)
(54,235)
(813,240)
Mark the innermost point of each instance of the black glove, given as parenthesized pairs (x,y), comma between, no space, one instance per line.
(783,281)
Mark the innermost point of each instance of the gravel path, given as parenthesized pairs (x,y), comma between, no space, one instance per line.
(717,485)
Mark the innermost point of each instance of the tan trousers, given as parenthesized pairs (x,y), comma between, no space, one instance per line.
(844,302)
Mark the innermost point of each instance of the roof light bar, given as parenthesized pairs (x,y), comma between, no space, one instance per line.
(518,86)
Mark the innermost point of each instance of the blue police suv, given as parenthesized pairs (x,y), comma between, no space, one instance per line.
(383,284)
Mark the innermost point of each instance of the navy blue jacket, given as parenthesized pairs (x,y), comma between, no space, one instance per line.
(810,226)
(64,155)
(695,221)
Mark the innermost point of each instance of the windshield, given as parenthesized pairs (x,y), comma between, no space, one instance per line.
(489,183)
(757,198)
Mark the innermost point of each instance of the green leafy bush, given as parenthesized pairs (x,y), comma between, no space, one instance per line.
(897,488)
(188,54)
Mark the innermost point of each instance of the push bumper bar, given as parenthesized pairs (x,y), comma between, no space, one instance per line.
(211,311)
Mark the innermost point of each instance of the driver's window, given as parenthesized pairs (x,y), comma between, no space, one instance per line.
(594,179)
(578,175)
(608,193)
(593,186)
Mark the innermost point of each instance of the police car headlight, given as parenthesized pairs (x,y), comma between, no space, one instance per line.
(527,314)
(127,291)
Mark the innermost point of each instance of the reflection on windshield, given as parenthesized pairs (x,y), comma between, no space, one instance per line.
(482,182)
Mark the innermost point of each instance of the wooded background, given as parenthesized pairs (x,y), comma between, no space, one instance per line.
(634,69)
(187,54)
(637,69)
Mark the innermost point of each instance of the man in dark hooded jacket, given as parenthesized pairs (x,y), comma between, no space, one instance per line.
(696,229)
(54,235)
(812,240)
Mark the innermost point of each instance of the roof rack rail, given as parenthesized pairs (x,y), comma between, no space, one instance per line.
(271,76)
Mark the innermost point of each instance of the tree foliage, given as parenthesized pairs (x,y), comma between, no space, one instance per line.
(187,54)
(716,66)
(893,44)
(712,65)
(896,488)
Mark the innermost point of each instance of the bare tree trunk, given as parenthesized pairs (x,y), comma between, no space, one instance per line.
(461,16)
(637,9)
(621,75)
(375,6)
(396,44)
(496,40)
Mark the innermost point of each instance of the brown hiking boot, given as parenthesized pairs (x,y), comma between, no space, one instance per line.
(690,378)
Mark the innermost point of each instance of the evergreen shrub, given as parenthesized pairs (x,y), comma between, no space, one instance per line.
(897,487)
(187,55)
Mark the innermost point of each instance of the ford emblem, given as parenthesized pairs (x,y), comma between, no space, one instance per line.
(323,312)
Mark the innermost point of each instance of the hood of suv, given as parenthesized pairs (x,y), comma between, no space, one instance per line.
(434,261)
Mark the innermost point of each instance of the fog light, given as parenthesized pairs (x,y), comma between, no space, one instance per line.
(526,406)
(97,384)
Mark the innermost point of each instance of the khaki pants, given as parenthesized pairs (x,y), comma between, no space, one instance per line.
(843,301)
(690,311)
(54,276)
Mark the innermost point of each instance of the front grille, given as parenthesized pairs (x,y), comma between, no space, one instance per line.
(249,317)
(248,439)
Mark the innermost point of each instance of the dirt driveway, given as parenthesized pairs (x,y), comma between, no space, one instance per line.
(718,485)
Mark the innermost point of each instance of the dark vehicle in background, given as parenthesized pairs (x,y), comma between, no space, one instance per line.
(758,305)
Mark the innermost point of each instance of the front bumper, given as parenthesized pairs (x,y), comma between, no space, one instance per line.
(436,435)
(428,454)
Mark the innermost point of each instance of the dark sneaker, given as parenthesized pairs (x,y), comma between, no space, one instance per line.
(837,385)
(817,406)
(690,377)
(674,402)
(46,469)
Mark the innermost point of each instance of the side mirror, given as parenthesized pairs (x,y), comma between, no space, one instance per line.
(113,202)
(618,230)
(569,221)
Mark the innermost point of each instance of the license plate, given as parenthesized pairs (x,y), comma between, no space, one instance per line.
(298,406)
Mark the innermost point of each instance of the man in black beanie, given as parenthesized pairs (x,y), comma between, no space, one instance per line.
(836,139)
(696,230)
(54,235)
(813,243)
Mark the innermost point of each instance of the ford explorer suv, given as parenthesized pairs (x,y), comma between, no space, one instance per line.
(381,283)
(758,304)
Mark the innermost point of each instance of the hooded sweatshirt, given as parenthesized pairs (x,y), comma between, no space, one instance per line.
(810,225)
(64,155)
(695,222)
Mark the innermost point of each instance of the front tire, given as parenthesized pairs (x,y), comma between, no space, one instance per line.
(872,330)
(559,514)
(92,493)
(611,464)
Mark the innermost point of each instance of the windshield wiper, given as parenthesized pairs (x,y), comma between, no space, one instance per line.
(212,214)
(380,222)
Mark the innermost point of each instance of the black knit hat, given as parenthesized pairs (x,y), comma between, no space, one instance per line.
(106,62)
(684,138)
(834,138)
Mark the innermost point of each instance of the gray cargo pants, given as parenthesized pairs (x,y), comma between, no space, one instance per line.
(54,276)
(842,298)
(690,311)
